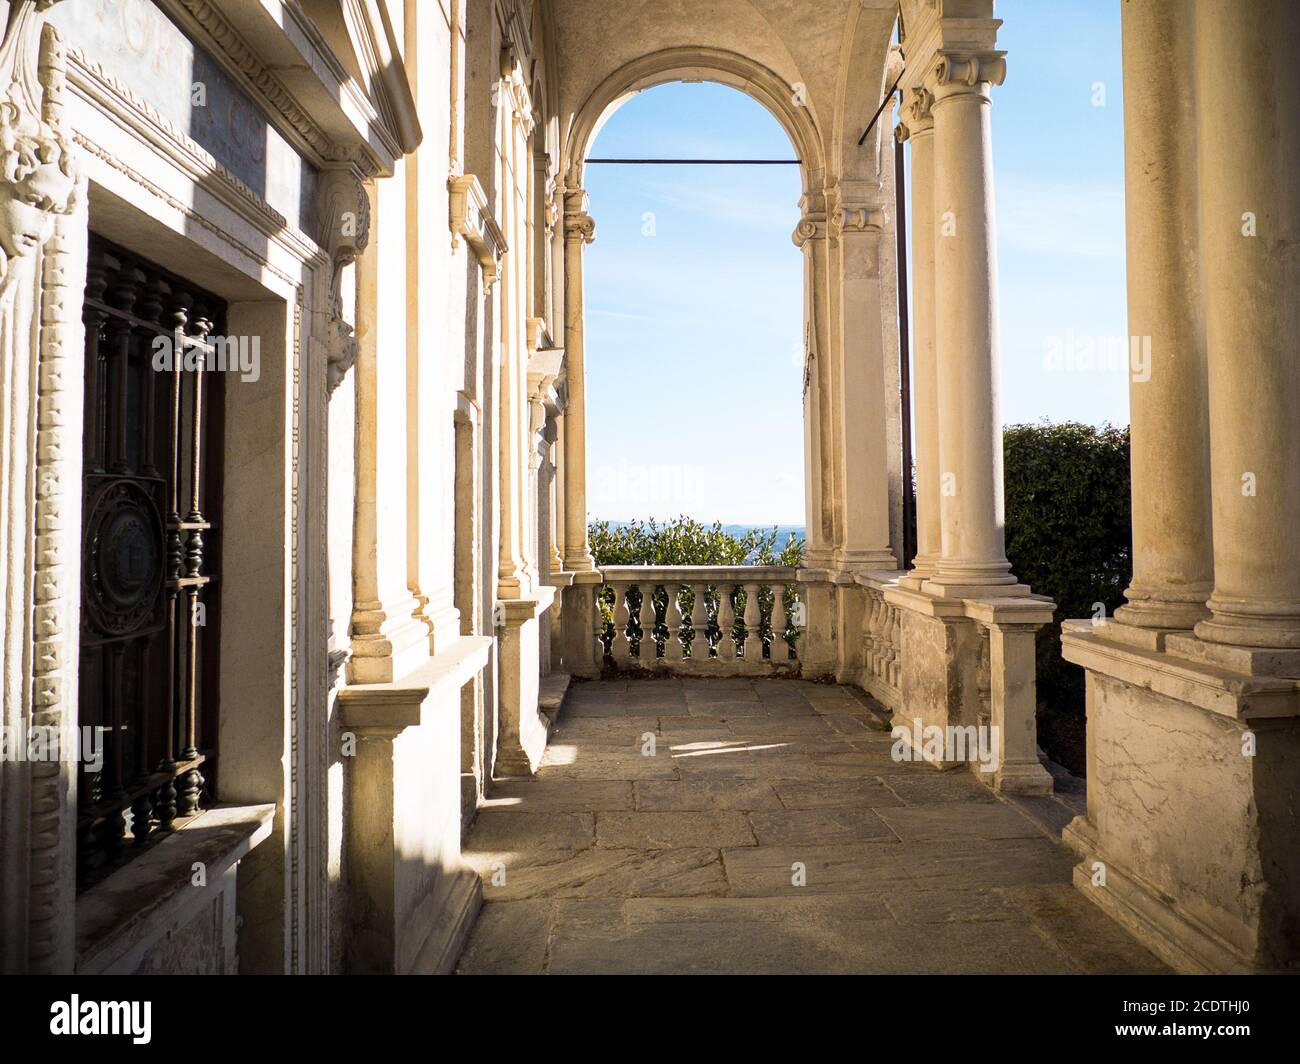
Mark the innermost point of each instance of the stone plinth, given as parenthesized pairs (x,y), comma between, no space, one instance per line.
(1191,838)
(410,899)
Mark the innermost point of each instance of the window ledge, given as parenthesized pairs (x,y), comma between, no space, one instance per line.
(121,920)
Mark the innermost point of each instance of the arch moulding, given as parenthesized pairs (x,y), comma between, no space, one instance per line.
(697,64)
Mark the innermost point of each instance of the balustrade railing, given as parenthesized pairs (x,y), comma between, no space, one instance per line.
(699,619)
(882,651)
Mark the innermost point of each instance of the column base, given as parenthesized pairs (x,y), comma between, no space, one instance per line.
(1248,660)
(388,640)
(945,586)
(1247,625)
(1162,609)
(1022,777)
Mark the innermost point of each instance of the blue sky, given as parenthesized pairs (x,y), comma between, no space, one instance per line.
(694,290)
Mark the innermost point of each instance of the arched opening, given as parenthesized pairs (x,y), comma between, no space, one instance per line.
(694,314)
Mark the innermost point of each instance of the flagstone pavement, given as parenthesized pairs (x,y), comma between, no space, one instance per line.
(762,826)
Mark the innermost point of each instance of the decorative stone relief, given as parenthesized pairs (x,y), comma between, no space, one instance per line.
(37,175)
(345,234)
(42,270)
(969,70)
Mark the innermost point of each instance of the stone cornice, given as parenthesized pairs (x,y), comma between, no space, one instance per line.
(92,82)
(368,128)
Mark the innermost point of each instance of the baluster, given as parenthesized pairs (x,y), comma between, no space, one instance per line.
(700,623)
(122,293)
(753,649)
(780,623)
(621,645)
(868,631)
(726,623)
(152,302)
(796,620)
(673,648)
(647,648)
(895,645)
(191,783)
(598,621)
(97,274)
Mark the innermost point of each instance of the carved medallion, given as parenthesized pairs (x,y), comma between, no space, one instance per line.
(124,555)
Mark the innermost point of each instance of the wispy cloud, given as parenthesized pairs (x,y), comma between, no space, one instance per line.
(1082,220)
(729,207)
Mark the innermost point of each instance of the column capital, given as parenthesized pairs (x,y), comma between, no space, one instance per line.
(812,226)
(579,226)
(916,115)
(957,73)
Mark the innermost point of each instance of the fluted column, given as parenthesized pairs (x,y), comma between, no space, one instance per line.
(1173,568)
(1248,79)
(579,231)
(970,446)
(919,132)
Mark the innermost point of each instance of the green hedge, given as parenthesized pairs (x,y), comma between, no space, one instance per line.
(1068,537)
(685,541)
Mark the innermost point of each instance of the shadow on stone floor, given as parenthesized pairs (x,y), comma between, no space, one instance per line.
(761,826)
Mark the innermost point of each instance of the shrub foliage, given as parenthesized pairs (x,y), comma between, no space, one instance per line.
(1068,537)
(685,541)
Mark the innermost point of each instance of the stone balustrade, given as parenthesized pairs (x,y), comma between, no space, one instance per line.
(705,620)
(882,645)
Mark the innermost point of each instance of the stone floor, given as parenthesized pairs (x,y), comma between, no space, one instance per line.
(672,819)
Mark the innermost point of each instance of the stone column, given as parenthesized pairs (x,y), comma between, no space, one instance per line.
(974,557)
(387,639)
(579,231)
(1248,79)
(819,466)
(919,131)
(863,454)
(1173,569)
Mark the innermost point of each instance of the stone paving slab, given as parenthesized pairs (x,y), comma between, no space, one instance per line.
(687,795)
(766,871)
(598,872)
(666,831)
(561,796)
(868,792)
(949,820)
(818,827)
(509,829)
(771,832)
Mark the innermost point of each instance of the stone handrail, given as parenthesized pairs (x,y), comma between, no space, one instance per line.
(700,619)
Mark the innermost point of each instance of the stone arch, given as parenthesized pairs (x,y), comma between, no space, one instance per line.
(698,64)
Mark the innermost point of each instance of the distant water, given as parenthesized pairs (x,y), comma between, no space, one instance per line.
(783,532)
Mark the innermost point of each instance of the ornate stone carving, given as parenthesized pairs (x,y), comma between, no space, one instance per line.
(811,226)
(866,218)
(579,226)
(37,175)
(955,71)
(42,276)
(471,220)
(345,234)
